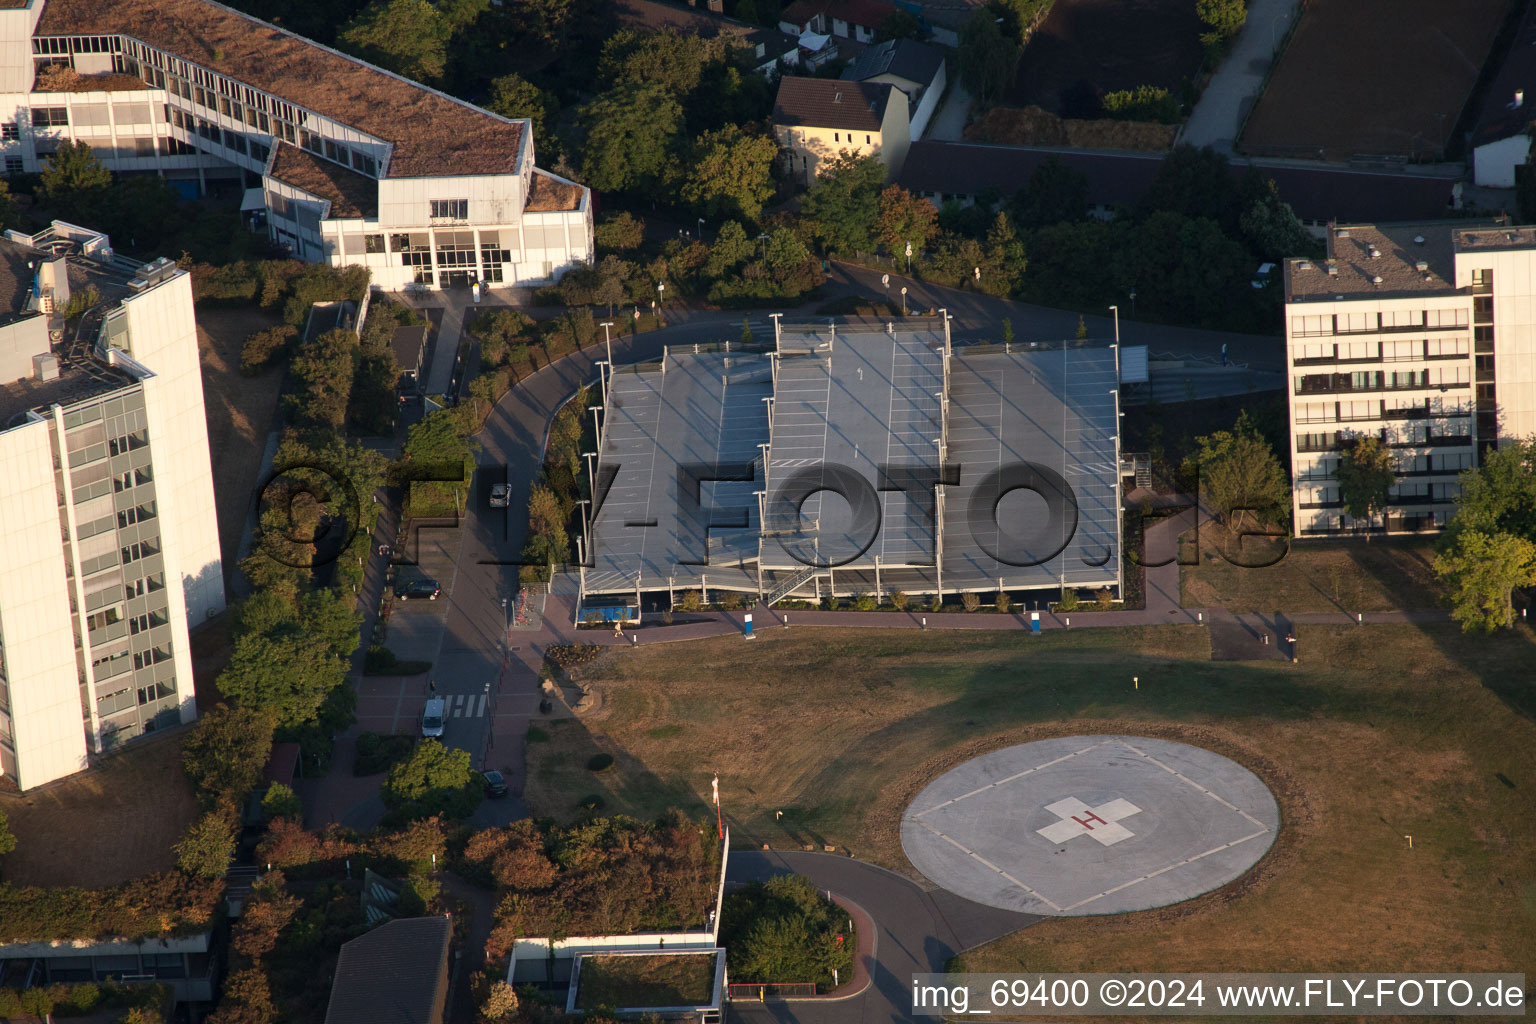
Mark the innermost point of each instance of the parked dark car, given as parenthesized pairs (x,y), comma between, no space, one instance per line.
(418,589)
(495,785)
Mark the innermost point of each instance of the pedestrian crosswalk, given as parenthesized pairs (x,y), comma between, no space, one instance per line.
(466,705)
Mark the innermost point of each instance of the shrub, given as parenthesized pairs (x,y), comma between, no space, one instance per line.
(1068,602)
(567,655)
(970,600)
(691,601)
(156,905)
(936,603)
(1003,601)
(263,346)
(280,801)
(1143,103)
(209,844)
(81,301)
(1105,599)
(785,930)
(899,600)
(599,763)
(866,602)
(376,753)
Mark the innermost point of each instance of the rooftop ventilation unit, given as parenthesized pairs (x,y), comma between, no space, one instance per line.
(1342,233)
(1333,269)
(1421,266)
(1418,239)
(45,366)
(1376,280)
(1303,264)
(1375,252)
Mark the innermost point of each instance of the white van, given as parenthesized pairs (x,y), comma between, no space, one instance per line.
(432,718)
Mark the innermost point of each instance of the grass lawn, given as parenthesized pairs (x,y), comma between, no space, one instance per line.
(1386,574)
(1381,732)
(673,979)
(104,826)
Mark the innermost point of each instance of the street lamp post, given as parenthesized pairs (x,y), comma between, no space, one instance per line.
(1116,310)
(1133,302)
(597,428)
(903,300)
(701,229)
(608,341)
(591,476)
(661,290)
(586,518)
(602,377)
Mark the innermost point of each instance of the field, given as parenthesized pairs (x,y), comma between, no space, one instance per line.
(1379,77)
(1389,574)
(1097,46)
(1379,733)
(105,826)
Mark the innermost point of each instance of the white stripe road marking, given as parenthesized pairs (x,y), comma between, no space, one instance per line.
(466,705)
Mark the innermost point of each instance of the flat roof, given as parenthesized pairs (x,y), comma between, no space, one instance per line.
(1051,409)
(1408,258)
(548,192)
(433,134)
(860,402)
(1495,238)
(81,374)
(350,194)
(704,409)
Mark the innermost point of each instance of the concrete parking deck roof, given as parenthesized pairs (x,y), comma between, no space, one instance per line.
(705,409)
(1050,408)
(860,401)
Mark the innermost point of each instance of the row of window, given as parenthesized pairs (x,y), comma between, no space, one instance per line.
(1382,351)
(1391,320)
(1378,409)
(1450,375)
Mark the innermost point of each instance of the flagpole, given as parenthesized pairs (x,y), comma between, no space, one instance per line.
(719,821)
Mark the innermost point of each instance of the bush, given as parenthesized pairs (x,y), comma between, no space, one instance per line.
(599,763)
(936,603)
(690,602)
(1068,602)
(1105,598)
(866,602)
(567,655)
(1143,103)
(899,600)
(81,301)
(785,930)
(263,346)
(1003,601)
(619,232)
(151,906)
(281,801)
(970,600)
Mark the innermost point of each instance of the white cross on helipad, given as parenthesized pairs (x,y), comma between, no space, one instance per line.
(1078,819)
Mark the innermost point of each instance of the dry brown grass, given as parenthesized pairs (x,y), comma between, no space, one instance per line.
(1315,576)
(240,414)
(1380,733)
(104,826)
(1033,126)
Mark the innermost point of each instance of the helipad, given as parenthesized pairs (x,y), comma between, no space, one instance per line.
(1090,825)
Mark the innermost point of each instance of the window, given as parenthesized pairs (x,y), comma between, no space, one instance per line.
(50,117)
(1354,322)
(837,137)
(450,209)
(1403,318)
(1356,351)
(1315,412)
(1442,348)
(1397,351)
(373,243)
(9,131)
(143,147)
(1303,326)
(13,165)
(868,141)
(1445,317)
(1482,280)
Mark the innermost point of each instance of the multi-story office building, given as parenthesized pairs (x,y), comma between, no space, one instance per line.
(1421,334)
(106,495)
(349,163)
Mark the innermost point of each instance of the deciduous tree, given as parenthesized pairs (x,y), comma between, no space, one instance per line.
(514,96)
(75,181)
(1239,473)
(1365,478)
(289,675)
(730,174)
(432,780)
(1483,569)
(988,58)
(631,137)
(225,754)
(409,37)
(209,844)
(905,219)
(843,206)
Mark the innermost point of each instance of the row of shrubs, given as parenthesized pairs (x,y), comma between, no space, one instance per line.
(292,284)
(145,1003)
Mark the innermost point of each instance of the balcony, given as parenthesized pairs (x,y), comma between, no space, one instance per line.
(1442,441)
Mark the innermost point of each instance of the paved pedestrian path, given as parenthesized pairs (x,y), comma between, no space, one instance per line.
(1218,116)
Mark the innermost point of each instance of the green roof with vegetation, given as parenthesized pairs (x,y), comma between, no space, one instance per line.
(627,980)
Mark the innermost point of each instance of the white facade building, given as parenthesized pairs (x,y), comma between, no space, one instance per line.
(350,163)
(1421,334)
(107,503)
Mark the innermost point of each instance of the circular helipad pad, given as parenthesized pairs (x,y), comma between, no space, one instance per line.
(1090,825)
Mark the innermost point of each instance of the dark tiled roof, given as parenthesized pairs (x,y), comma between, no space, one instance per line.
(1120,179)
(903,58)
(868,13)
(433,134)
(391,975)
(830,103)
(351,194)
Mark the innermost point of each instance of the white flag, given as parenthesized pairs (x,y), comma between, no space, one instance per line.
(715,789)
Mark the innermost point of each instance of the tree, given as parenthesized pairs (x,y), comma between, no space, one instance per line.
(1194,182)
(621,232)
(437,446)
(1224,19)
(323,370)
(1271,227)
(1483,570)
(1365,478)
(1054,193)
(432,780)
(631,136)
(547,540)
(225,754)
(988,58)
(673,60)
(905,219)
(901,24)
(209,845)
(7,837)
(409,37)
(730,250)
(291,676)
(515,96)
(1500,495)
(612,273)
(75,181)
(247,999)
(281,801)
(730,174)
(1240,473)
(142,1015)
(843,206)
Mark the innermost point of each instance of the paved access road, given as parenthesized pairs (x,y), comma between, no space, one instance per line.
(918,931)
